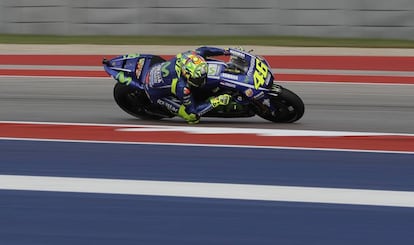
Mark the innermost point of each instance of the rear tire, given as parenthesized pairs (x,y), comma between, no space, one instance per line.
(133,101)
(290,107)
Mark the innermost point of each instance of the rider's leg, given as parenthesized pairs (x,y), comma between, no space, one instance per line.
(174,106)
(170,104)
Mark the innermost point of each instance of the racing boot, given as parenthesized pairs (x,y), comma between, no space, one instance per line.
(190,118)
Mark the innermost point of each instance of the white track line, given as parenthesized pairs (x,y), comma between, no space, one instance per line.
(257,131)
(209,190)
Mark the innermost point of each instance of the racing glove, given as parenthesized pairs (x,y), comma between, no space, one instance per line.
(190,118)
(223,99)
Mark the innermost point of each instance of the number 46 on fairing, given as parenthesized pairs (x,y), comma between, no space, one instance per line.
(260,74)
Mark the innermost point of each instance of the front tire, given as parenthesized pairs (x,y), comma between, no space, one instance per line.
(289,107)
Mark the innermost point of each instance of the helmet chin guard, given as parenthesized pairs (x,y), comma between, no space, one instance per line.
(197,82)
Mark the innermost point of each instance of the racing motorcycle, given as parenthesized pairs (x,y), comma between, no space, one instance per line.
(246,77)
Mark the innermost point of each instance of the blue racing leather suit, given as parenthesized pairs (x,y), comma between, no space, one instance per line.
(166,85)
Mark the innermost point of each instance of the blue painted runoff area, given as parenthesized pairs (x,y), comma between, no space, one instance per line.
(49,218)
(337,169)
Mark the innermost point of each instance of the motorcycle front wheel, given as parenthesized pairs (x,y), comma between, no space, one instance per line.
(289,107)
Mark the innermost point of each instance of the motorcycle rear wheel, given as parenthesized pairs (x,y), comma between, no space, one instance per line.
(133,101)
(290,107)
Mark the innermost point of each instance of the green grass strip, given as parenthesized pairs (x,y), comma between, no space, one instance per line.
(208,40)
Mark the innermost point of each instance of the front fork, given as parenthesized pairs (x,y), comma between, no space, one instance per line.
(265,103)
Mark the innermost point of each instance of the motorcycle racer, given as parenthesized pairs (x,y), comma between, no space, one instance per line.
(148,86)
(176,78)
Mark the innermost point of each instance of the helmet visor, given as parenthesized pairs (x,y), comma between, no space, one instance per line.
(198,82)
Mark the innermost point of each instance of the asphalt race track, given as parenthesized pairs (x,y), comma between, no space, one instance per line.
(329,106)
(49,192)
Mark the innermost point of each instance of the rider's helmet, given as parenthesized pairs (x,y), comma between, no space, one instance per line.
(194,68)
